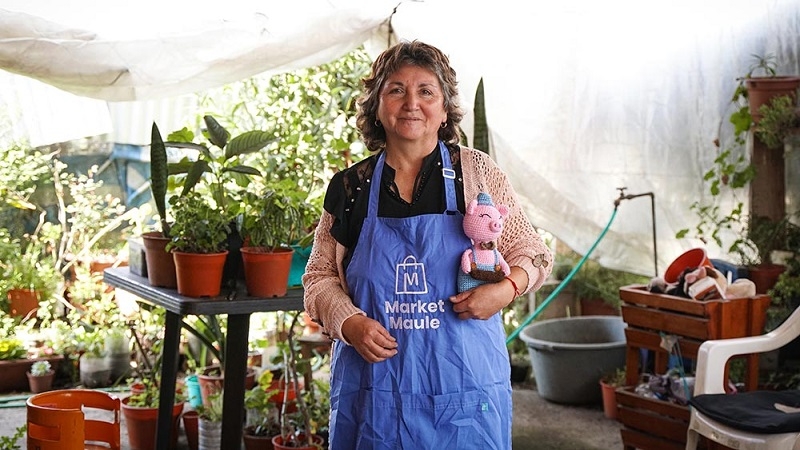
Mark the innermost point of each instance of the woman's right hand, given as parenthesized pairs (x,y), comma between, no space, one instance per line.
(370,339)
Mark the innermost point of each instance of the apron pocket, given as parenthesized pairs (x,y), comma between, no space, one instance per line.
(477,419)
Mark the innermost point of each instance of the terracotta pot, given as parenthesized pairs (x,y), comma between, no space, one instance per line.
(199,274)
(764,276)
(160,264)
(610,408)
(41,383)
(141,425)
(212,381)
(190,427)
(598,307)
(98,265)
(309,326)
(23,302)
(285,392)
(266,273)
(277,443)
(760,90)
(253,442)
(13,372)
(254,358)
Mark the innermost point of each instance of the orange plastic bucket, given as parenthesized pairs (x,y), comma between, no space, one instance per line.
(695,257)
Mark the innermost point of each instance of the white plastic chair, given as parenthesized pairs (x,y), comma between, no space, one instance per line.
(710,379)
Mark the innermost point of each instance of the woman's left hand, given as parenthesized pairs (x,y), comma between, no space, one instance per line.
(484,301)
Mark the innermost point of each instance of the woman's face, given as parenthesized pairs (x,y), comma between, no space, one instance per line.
(411,106)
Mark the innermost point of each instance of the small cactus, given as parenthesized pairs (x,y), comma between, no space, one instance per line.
(40,368)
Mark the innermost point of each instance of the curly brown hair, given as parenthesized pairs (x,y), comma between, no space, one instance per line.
(405,53)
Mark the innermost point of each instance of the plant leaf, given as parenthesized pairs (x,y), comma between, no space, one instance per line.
(158,176)
(217,134)
(247,170)
(249,142)
(194,175)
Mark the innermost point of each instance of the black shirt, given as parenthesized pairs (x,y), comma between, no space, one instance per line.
(347,198)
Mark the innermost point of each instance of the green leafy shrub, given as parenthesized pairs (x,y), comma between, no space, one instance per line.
(12,348)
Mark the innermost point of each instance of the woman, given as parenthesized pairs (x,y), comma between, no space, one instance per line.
(414,364)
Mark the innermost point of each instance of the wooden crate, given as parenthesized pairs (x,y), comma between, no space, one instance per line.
(693,322)
(661,425)
(653,424)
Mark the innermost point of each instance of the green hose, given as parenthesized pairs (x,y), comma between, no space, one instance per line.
(563,284)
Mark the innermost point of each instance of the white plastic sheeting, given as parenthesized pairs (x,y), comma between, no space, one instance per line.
(149,49)
(582,97)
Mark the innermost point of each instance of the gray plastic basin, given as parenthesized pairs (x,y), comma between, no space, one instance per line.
(570,355)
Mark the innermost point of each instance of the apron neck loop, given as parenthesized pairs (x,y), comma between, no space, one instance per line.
(447,172)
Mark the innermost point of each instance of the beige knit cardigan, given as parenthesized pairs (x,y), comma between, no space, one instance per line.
(326,293)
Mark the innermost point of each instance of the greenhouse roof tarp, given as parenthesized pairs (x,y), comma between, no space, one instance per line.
(582,97)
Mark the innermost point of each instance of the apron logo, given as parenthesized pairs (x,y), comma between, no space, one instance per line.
(410,277)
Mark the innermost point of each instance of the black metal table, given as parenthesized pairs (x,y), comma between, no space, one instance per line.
(238,306)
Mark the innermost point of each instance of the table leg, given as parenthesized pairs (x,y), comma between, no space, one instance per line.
(235,372)
(169,373)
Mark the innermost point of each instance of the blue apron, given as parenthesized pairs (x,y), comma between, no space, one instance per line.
(449,386)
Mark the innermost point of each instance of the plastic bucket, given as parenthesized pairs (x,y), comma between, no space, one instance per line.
(693,258)
(570,355)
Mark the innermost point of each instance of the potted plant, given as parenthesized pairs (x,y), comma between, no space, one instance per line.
(140,410)
(40,377)
(759,90)
(262,414)
(15,357)
(161,266)
(95,370)
(784,296)
(198,245)
(13,364)
(779,119)
(209,357)
(209,435)
(30,276)
(317,397)
(784,300)
(225,176)
(609,382)
(273,219)
(118,353)
(757,248)
(597,288)
(297,430)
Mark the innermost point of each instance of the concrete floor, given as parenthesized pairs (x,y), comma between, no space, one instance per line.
(538,424)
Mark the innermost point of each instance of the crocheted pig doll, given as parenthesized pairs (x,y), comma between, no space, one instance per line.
(482,263)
